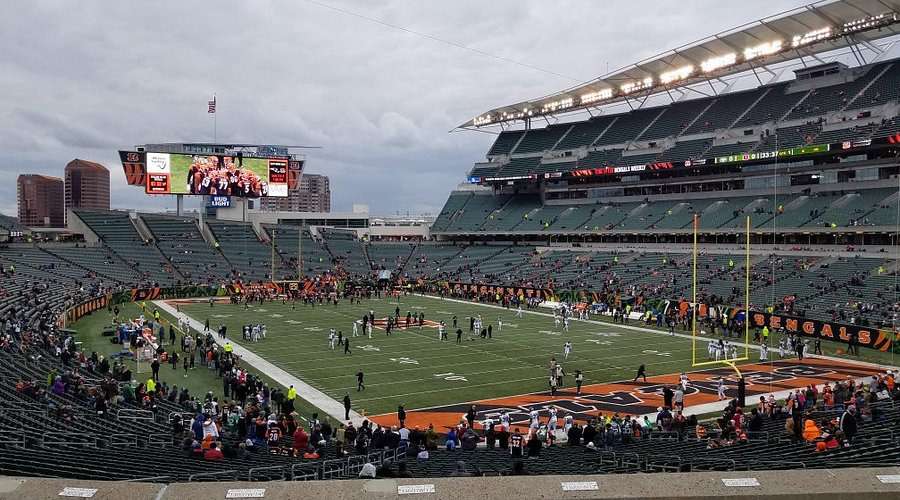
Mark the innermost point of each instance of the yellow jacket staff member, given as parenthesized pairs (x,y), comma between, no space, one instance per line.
(228,347)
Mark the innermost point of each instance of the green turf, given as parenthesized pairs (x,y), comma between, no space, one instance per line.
(199,380)
(411,367)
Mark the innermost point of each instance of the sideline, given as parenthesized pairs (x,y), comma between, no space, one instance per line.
(315,397)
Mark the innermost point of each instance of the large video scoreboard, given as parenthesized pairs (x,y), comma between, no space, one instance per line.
(212,174)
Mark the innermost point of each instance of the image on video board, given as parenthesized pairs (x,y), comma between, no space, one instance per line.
(219,175)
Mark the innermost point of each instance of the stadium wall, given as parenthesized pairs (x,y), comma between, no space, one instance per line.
(821,484)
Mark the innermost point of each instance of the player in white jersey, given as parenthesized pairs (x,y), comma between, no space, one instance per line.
(262,331)
(711,349)
(569,422)
(369,329)
(781,346)
(255,333)
(499,324)
(763,352)
(555,320)
(551,423)
(356,328)
(684,381)
(441,330)
(519,311)
(535,419)
(332,338)
(721,389)
(567,348)
(504,421)
(566,324)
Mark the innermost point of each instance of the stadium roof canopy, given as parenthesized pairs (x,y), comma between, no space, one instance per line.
(805,31)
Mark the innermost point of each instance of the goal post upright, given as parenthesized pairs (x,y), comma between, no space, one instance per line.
(747,294)
(694,304)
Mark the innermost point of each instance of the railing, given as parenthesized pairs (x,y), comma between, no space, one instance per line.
(767,465)
(261,473)
(711,464)
(667,436)
(332,469)
(69,439)
(132,414)
(304,472)
(663,463)
(154,479)
(214,476)
(123,439)
(159,439)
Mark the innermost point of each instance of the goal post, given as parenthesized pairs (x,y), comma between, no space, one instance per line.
(696,305)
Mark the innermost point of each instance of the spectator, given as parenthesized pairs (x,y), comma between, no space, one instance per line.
(848,425)
(367,471)
(213,454)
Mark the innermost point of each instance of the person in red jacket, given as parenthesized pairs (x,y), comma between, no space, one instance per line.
(213,454)
(301,441)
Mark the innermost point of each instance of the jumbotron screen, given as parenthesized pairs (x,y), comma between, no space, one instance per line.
(216,174)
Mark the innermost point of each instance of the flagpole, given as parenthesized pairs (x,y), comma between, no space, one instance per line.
(215,119)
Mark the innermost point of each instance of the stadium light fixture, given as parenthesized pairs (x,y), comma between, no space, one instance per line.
(637,85)
(600,95)
(763,49)
(811,37)
(676,74)
(714,63)
(559,104)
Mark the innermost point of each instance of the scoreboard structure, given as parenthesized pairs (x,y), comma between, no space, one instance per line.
(223,170)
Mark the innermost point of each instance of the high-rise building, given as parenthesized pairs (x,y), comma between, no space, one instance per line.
(313,195)
(41,201)
(87,185)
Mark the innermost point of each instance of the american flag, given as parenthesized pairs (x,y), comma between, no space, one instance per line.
(212,105)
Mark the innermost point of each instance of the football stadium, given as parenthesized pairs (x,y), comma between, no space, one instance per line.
(687,266)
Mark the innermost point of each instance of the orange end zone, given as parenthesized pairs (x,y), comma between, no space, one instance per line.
(639,398)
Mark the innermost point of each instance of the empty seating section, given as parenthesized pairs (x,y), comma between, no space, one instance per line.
(850,209)
(826,99)
(884,89)
(724,111)
(346,250)
(676,119)
(646,215)
(846,134)
(572,217)
(51,265)
(454,204)
(542,139)
(790,136)
(251,258)
(686,150)
(180,240)
(508,216)
(97,259)
(505,142)
(485,170)
(316,259)
(540,218)
(730,149)
(475,212)
(600,158)
(771,107)
(117,232)
(628,126)
(583,134)
(639,159)
(520,166)
(390,256)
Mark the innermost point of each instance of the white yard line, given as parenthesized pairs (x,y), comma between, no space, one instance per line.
(308,393)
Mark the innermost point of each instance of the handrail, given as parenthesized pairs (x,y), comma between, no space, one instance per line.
(69,439)
(154,479)
(119,439)
(159,438)
(780,465)
(135,414)
(232,473)
(279,468)
(307,476)
(336,467)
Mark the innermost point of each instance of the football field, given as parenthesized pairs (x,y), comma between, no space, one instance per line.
(414,368)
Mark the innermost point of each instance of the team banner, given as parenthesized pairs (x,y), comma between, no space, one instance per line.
(134,165)
(82,309)
(874,338)
(518,291)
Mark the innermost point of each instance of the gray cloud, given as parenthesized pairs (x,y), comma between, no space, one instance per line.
(82,80)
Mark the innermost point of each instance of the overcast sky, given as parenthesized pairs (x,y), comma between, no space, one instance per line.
(84,79)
